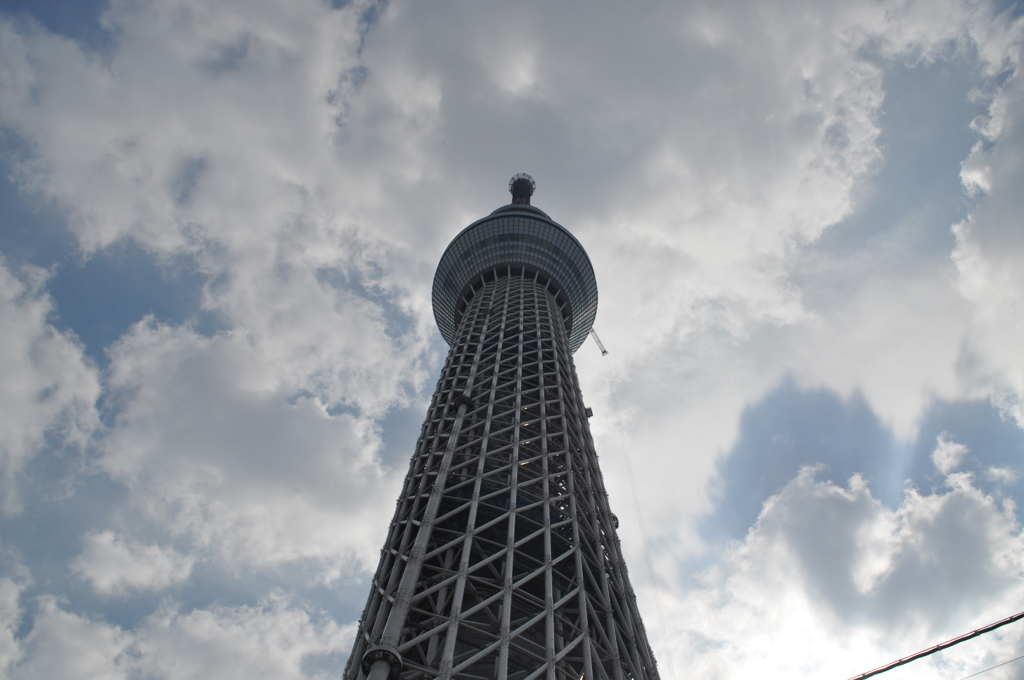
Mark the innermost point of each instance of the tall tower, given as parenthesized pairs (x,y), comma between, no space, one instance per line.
(502,560)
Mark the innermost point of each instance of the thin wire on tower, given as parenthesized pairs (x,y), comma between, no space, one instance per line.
(636,505)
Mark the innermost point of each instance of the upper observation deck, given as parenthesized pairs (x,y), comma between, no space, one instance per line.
(517,238)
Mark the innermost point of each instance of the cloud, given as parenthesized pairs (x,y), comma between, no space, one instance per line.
(243,180)
(829,582)
(992,440)
(257,447)
(990,246)
(252,471)
(1001,474)
(124,175)
(948,454)
(789,430)
(275,638)
(48,389)
(11,615)
(64,645)
(112,564)
(867,303)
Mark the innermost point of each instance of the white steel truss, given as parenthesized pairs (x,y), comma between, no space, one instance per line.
(502,561)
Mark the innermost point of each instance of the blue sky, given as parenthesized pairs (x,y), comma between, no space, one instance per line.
(219,223)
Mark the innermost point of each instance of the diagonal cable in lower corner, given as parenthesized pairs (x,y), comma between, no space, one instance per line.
(941,646)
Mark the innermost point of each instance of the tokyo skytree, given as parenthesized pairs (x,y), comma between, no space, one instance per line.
(502,560)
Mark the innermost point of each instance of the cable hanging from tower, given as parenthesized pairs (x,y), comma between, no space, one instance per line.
(636,505)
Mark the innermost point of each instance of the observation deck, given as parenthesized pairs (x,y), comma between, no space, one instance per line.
(517,240)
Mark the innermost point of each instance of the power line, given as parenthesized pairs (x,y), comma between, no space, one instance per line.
(941,646)
(639,515)
(992,667)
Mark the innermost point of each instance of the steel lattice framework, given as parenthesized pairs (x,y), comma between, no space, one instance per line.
(502,560)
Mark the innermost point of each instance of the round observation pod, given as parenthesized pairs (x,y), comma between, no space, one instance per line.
(517,239)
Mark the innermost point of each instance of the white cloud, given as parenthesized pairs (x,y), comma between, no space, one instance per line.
(256,473)
(1004,475)
(791,597)
(112,564)
(11,615)
(211,130)
(990,246)
(48,387)
(237,166)
(948,454)
(714,296)
(188,80)
(65,645)
(274,639)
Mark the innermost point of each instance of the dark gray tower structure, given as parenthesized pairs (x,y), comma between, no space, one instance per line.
(502,561)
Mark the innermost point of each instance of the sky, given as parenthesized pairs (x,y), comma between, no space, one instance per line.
(219,224)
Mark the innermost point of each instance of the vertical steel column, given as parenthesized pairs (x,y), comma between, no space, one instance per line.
(385,655)
(460,585)
(510,535)
(549,600)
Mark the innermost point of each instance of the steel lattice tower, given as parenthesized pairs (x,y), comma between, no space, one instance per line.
(502,560)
